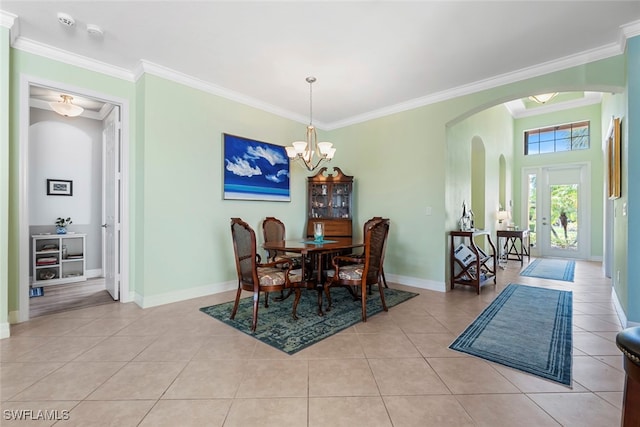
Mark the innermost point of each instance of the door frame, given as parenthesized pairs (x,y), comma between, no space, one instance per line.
(26,81)
(584,202)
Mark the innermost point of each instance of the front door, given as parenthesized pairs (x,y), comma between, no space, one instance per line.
(557,211)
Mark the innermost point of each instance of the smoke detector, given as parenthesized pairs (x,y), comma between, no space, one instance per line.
(94,30)
(66,19)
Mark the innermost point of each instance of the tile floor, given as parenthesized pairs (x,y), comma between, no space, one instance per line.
(172,365)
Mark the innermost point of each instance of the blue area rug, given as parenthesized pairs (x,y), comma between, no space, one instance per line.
(525,328)
(277,328)
(555,269)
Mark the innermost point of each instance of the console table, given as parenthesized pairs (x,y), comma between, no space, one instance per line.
(510,249)
(477,267)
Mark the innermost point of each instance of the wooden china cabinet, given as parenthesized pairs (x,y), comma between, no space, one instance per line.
(330,200)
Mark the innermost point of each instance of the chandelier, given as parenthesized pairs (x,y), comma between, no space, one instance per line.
(65,107)
(543,98)
(310,152)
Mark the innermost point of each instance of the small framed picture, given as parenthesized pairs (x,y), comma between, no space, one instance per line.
(59,187)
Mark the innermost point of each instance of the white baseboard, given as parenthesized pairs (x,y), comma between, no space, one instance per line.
(5,332)
(430,285)
(619,310)
(182,295)
(92,274)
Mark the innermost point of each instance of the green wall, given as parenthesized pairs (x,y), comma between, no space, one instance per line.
(403,164)
(4,180)
(593,156)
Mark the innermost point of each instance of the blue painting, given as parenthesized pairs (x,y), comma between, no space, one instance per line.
(255,170)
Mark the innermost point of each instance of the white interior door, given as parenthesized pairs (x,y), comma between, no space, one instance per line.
(563,214)
(111,202)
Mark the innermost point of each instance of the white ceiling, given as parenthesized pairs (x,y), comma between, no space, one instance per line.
(370,57)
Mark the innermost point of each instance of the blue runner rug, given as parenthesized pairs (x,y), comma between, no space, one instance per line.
(525,328)
(555,269)
(277,328)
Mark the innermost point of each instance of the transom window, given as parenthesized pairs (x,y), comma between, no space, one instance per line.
(553,139)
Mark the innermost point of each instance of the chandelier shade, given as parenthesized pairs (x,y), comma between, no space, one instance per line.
(311,153)
(65,107)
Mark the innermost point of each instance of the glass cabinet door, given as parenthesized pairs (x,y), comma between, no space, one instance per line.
(319,201)
(341,201)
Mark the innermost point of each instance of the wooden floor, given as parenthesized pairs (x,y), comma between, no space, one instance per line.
(70,296)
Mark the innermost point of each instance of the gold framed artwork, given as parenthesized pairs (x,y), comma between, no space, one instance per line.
(614,158)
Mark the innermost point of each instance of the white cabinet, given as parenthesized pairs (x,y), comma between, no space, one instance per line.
(58,258)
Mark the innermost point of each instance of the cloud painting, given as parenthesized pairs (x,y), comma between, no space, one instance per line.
(255,170)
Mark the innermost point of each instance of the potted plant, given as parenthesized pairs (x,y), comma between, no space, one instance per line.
(61,225)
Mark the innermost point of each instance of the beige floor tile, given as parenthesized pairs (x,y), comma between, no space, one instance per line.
(419,324)
(188,413)
(272,412)
(73,381)
(206,379)
(387,345)
(139,380)
(341,377)
(15,377)
(102,327)
(116,349)
(593,344)
(418,411)
(596,375)
(613,397)
(341,345)
(171,348)
(121,413)
(435,345)
(593,323)
(236,346)
(490,410)
(348,412)
(275,378)
(191,369)
(62,349)
(406,377)
(578,409)
(529,383)
(12,349)
(48,326)
(36,414)
(470,375)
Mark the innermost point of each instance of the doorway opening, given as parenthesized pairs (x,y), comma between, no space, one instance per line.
(94,181)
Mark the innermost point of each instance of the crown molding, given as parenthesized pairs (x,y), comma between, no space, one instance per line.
(144,66)
(490,83)
(7,20)
(167,73)
(50,52)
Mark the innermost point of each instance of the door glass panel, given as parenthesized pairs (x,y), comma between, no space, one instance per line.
(531,209)
(564,217)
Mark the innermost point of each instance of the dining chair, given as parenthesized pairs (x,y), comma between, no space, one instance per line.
(361,272)
(254,276)
(273,230)
(364,229)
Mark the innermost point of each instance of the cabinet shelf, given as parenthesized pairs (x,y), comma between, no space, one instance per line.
(330,202)
(470,265)
(58,258)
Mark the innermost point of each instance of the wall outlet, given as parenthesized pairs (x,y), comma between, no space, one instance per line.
(428,211)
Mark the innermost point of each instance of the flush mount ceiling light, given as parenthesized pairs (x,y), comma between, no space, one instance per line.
(65,107)
(543,98)
(310,152)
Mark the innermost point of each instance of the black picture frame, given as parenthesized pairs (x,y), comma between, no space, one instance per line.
(59,187)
